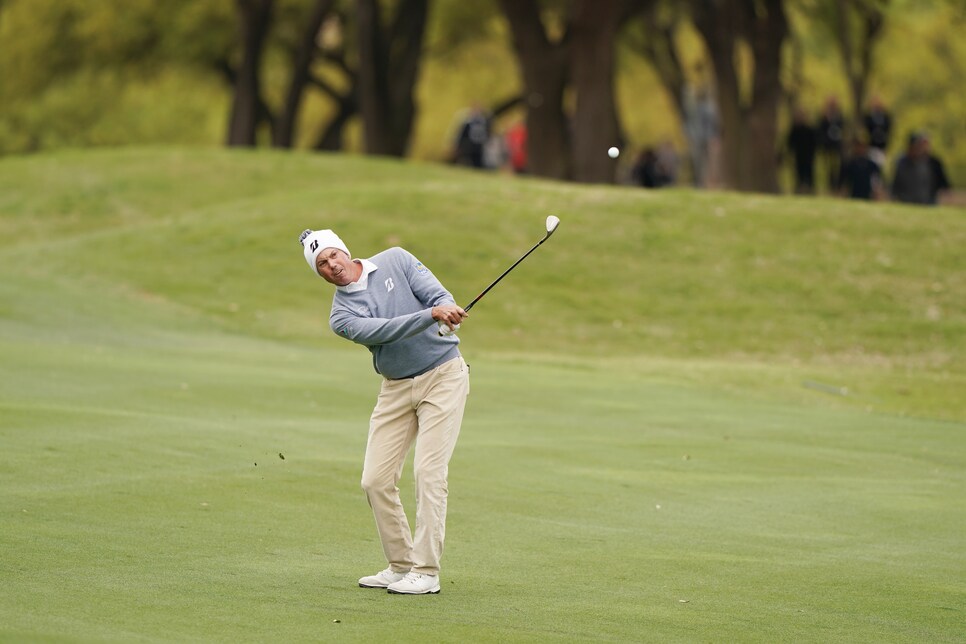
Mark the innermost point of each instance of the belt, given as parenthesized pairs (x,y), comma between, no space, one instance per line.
(424,371)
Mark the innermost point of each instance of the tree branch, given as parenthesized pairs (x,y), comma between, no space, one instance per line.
(326,88)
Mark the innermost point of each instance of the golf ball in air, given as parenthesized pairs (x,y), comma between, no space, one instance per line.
(613,152)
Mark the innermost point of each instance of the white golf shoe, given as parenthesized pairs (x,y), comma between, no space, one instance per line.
(415,583)
(381,579)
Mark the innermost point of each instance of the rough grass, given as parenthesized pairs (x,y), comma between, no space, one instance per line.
(640,461)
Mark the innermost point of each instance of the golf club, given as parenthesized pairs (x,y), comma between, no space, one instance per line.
(552,223)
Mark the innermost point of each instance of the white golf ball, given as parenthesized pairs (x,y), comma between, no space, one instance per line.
(613,152)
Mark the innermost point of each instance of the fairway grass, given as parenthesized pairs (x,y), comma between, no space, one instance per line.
(182,437)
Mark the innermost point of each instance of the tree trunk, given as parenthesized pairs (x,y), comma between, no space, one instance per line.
(595,27)
(543,66)
(284,131)
(749,126)
(733,126)
(767,31)
(347,106)
(857,55)
(255,17)
(373,78)
(718,25)
(388,69)
(405,55)
(331,138)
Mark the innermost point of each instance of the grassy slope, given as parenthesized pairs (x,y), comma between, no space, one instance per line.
(865,295)
(160,335)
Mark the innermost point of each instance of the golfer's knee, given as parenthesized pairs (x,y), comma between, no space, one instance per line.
(375,483)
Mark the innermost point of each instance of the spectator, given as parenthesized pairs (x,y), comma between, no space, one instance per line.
(645,172)
(516,145)
(668,162)
(919,175)
(474,131)
(702,127)
(861,175)
(495,153)
(831,132)
(802,141)
(878,125)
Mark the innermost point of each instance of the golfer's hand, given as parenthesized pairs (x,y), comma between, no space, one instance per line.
(449,314)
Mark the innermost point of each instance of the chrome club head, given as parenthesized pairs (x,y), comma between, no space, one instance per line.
(552,223)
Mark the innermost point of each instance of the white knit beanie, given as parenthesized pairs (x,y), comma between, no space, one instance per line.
(314,242)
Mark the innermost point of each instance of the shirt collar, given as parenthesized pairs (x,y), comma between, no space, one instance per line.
(363,282)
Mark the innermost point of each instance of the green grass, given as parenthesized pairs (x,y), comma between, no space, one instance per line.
(640,460)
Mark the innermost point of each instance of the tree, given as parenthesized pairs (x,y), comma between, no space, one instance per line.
(347,100)
(301,75)
(857,26)
(389,60)
(318,40)
(380,74)
(543,66)
(254,21)
(748,99)
(582,58)
(653,37)
(595,26)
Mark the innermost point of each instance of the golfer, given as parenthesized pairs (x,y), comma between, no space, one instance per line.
(392,304)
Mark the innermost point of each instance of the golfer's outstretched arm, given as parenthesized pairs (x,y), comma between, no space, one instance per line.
(375,331)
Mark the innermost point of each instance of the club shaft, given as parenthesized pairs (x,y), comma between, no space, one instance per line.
(505,273)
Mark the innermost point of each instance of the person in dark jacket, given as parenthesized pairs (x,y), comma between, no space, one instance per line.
(831,138)
(802,142)
(878,125)
(919,176)
(861,176)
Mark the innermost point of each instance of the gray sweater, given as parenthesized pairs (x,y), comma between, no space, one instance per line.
(392,316)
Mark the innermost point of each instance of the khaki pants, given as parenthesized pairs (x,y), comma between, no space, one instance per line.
(427,409)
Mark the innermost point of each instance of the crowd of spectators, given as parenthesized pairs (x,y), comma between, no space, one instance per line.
(857,166)
(852,158)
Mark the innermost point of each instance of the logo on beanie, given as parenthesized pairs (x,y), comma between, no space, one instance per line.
(314,245)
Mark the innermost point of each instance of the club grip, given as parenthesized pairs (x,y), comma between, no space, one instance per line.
(444,329)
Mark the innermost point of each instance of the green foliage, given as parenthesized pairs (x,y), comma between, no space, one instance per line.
(79,73)
(115,107)
(62,62)
(199,32)
(453,25)
(46,41)
(920,85)
(40,45)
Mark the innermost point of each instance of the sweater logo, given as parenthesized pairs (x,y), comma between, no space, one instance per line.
(389,285)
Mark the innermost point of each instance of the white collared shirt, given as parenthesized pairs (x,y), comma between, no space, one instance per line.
(363,282)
